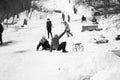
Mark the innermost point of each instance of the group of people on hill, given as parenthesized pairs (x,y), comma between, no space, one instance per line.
(84,19)
(63,17)
(55,44)
(49,26)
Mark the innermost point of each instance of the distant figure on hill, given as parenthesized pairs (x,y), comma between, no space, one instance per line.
(83,19)
(63,16)
(75,10)
(118,37)
(67,29)
(49,27)
(24,22)
(44,43)
(1,31)
(18,16)
(68,18)
(55,43)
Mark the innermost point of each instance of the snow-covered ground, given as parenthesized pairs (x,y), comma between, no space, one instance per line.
(19,59)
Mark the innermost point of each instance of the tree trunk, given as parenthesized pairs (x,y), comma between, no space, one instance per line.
(31,13)
(7,21)
(106,2)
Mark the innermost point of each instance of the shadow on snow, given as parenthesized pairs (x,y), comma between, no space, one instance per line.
(7,43)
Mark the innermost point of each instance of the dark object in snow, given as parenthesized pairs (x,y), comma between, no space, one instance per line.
(118,37)
(78,47)
(55,43)
(102,41)
(1,31)
(57,11)
(83,19)
(7,43)
(49,27)
(90,28)
(44,43)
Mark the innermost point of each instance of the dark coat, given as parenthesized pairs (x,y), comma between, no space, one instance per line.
(55,41)
(44,43)
(83,18)
(63,16)
(49,25)
(25,22)
(1,28)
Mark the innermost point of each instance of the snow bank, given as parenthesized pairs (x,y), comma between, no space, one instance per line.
(111,72)
(95,66)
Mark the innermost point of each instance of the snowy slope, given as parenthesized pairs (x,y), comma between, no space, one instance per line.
(19,59)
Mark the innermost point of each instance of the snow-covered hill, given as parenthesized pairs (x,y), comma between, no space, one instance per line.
(19,59)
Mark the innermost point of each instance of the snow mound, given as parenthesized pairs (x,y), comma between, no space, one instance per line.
(95,66)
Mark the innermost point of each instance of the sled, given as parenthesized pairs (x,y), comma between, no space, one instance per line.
(89,28)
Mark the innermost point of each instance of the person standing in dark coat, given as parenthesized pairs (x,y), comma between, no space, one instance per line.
(1,31)
(49,27)
(63,16)
(68,18)
(75,10)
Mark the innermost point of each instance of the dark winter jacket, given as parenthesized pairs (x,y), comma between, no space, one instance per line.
(44,43)
(55,41)
(1,28)
(25,22)
(63,15)
(49,25)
